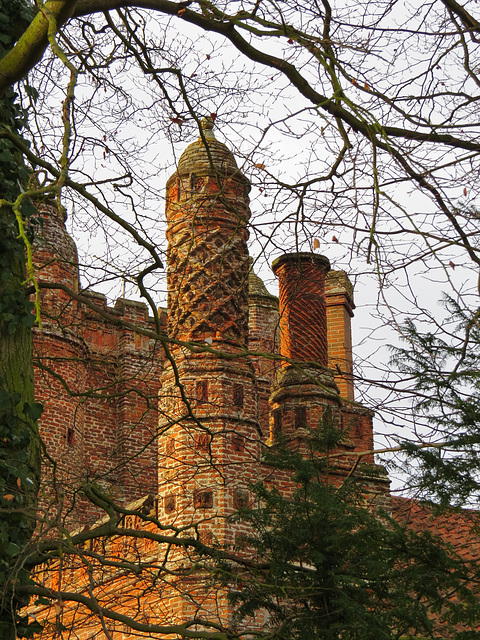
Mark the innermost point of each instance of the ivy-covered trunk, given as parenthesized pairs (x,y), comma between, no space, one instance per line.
(19,440)
(20,451)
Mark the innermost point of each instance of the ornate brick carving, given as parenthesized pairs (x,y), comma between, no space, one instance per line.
(207,259)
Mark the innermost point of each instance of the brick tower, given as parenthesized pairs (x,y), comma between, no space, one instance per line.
(62,353)
(209,435)
(97,380)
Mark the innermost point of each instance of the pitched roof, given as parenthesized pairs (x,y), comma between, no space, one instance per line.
(458,527)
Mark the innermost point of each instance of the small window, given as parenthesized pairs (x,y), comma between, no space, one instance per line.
(170,446)
(193,180)
(169,502)
(70,436)
(300,417)
(202,390)
(237,443)
(357,426)
(238,395)
(203,499)
(277,420)
(202,442)
(240,498)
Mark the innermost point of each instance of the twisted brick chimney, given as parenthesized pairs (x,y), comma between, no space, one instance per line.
(315,311)
(304,385)
(303,318)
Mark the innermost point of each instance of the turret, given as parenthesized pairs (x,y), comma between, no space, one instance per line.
(56,262)
(209,442)
(207,215)
(60,353)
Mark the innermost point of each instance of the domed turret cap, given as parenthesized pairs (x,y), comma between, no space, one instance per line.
(196,159)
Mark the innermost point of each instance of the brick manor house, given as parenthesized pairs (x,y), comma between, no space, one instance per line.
(177,427)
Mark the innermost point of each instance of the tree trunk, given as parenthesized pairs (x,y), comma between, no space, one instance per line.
(20,447)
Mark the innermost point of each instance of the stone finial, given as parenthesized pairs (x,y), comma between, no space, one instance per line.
(207,125)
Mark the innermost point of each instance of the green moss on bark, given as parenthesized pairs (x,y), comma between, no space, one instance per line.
(19,440)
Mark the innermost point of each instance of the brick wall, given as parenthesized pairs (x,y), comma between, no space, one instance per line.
(188,422)
(98,382)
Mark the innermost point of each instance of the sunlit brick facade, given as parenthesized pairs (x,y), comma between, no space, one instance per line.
(186,421)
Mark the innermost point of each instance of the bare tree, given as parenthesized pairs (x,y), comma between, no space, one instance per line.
(356,125)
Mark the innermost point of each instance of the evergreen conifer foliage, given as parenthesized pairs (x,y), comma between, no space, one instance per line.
(329,565)
(444,373)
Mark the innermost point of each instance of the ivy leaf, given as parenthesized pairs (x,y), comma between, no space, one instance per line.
(33,411)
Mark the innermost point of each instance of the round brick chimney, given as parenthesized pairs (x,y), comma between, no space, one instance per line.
(303,313)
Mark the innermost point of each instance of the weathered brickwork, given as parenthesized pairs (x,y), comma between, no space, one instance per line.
(187,422)
(304,393)
(209,437)
(304,386)
(98,381)
(303,318)
(264,340)
(207,276)
(340,306)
